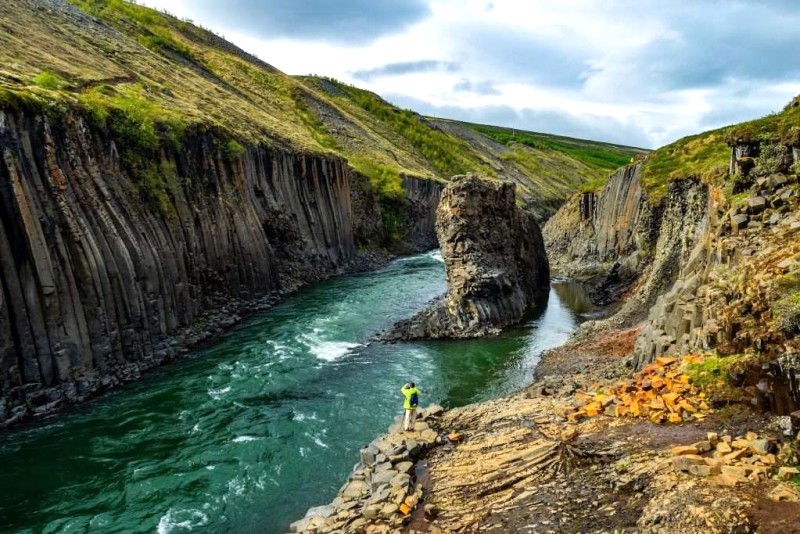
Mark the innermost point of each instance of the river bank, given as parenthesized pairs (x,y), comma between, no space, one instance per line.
(522,466)
(246,433)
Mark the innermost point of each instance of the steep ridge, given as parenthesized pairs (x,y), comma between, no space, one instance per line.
(701,235)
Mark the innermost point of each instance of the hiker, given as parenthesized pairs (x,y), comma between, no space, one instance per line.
(411,394)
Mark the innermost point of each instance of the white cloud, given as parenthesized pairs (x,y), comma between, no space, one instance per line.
(635,71)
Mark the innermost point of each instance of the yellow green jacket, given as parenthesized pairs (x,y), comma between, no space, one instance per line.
(407,392)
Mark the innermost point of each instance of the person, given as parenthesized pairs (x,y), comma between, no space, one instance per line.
(411,394)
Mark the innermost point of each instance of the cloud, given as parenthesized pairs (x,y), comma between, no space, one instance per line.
(648,69)
(354,22)
(512,54)
(479,88)
(405,67)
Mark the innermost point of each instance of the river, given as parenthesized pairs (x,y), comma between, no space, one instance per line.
(244,435)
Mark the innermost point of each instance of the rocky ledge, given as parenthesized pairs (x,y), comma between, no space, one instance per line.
(383,488)
(494,258)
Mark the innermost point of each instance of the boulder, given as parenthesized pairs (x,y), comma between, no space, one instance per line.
(739,222)
(495,263)
(756,205)
(368,454)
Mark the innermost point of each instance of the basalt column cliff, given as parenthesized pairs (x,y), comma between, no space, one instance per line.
(495,262)
(102,277)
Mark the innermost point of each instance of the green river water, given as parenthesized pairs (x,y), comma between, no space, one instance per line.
(244,435)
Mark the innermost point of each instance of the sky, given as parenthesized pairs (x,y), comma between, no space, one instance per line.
(635,72)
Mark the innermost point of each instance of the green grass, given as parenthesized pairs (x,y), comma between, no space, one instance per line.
(712,374)
(448,155)
(48,80)
(704,156)
(155,76)
(384,178)
(602,156)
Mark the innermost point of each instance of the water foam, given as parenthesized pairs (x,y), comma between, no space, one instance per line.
(436,255)
(218,393)
(245,439)
(332,350)
(181,519)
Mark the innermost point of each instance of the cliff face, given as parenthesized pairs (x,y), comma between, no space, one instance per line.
(604,237)
(620,242)
(494,258)
(102,276)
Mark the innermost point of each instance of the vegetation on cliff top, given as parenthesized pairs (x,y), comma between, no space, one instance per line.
(707,155)
(165,74)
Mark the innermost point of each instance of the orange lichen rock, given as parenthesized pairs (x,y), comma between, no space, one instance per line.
(659,392)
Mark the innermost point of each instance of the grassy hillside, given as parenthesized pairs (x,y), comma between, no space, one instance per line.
(707,155)
(600,156)
(147,77)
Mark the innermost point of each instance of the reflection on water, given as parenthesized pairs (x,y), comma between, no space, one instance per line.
(574,295)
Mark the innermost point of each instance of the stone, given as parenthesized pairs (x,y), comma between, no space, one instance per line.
(495,263)
(355,489)
(429,436)
(384,477)
(389,509)
(756,205)
(367,455)
(357,524)
(723,448)
(702,446)
(404,467)
(434,410)
(413,447)
(739,222)
(784,492)
(684,462)
(759,446)
(684,449)
(382,467)
(298,526)
(735,472)
(372,511)
(785,473)
(320,511)
(401,480)
(704,470)
(420,426)
(431,511)
(381,494)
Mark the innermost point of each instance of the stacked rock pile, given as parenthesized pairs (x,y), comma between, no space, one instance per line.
(730,461)
(382,490)
(659,392)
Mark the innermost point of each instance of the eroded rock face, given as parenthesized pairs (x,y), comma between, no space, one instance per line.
(495,261)
(98,282)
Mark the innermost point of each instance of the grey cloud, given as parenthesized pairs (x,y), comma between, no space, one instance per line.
(485,87)
(593,127)
(350,22)
(405,67)
(712,44)
(514,55)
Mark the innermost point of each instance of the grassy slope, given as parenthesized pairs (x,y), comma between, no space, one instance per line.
(707,155)
(148,76)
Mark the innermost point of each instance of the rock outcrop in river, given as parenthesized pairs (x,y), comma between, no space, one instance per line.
(494,256)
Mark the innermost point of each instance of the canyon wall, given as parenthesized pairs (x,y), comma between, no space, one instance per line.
(624,245)
(105,272)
